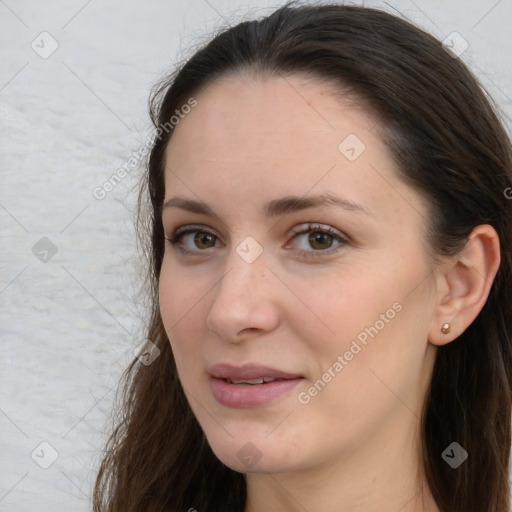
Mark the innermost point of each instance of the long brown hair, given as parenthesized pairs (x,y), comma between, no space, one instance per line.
(448,143)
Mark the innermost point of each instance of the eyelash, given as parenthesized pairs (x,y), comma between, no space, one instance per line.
(176,237)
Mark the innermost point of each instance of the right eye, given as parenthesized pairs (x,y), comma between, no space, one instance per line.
(192,239)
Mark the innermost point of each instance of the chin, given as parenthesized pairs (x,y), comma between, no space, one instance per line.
(246,456)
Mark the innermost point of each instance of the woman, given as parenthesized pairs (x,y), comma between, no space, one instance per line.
(330,266)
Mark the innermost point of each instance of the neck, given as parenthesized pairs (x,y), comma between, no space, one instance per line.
(383,474)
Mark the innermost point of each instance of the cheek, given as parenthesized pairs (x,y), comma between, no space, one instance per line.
(372,320)
(181,291)
(181,302)
(337,307)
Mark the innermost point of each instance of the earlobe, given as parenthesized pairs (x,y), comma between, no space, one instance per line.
(464,284)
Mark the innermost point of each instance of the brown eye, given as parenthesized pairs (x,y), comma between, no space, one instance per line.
(319,240)
(191,239)
(204,240)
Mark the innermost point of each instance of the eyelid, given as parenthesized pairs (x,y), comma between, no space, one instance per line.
(315,226)
(191,228)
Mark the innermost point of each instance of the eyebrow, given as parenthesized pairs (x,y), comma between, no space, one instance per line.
(275,207)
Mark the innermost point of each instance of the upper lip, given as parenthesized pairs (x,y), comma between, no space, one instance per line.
(248,371)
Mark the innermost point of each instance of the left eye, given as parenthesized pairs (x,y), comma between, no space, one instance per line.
(319,238)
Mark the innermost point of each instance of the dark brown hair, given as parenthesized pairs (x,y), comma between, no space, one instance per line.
(448,143)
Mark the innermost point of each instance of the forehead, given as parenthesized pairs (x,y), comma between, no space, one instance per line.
(250,120)
(251,139)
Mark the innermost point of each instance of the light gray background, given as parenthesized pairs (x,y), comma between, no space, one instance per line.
(68,121)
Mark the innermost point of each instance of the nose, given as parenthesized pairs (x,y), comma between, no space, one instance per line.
(245,300)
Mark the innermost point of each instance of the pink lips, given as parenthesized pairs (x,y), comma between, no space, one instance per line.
(249,395)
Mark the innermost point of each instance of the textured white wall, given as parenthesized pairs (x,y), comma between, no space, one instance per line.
(69,119)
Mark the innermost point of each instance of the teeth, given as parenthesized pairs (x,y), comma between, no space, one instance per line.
(247,381)
(260,380)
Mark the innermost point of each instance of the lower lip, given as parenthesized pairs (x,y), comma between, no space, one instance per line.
(235,395)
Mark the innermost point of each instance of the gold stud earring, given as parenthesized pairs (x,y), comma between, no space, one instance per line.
(446,328)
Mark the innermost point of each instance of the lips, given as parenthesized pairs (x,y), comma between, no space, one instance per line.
(249,372)
(250,385)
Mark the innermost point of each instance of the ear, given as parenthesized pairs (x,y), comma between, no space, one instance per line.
(463,284)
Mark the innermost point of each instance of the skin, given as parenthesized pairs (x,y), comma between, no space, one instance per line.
(251,140)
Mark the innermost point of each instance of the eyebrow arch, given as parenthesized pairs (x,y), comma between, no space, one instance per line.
(275,207)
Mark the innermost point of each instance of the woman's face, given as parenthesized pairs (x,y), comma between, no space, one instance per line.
(303,253)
